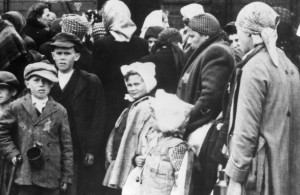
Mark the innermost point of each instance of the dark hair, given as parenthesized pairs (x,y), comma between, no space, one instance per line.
(130,73)
(76,48)
(36,11)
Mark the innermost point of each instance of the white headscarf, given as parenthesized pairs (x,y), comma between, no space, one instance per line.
(145,70)
(260,20)
(155,18)
(117,20)
(171,113)
(192,10)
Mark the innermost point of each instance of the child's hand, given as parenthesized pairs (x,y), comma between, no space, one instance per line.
(140,160)
(63,186)
(89,159)
(15,160)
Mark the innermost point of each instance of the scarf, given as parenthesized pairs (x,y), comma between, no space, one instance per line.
(11,44)
(117,20)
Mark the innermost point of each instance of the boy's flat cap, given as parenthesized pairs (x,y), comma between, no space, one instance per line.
(8,79)
(41,69)
(66,40)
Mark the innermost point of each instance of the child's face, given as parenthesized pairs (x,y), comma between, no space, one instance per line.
(39,86)
(136,86)
(6,95)
(65,58)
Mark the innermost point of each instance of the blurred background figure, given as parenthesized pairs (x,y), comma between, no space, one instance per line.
(151,35)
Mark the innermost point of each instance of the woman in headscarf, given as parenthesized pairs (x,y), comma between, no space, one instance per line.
(264,127)
(168,58)
(37,28)
(155,18)
(19,22)
(125,140)
(119,47)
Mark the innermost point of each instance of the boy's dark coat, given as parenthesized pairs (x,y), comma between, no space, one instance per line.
(83,97)
(51,129)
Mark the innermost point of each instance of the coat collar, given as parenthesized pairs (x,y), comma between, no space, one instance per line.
(50,108)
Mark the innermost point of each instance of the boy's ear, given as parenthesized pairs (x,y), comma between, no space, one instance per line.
(52,53)
(14,92)
(26,83)
(77,56)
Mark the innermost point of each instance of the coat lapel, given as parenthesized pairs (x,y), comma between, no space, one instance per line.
(29,107)
(81,83)
(50,108)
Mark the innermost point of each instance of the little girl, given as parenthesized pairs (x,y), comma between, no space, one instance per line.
(164,159)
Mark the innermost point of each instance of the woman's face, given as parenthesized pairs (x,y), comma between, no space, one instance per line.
(245,40)
(45,18)
(136,86)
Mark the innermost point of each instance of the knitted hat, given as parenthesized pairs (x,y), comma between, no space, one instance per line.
(170,35)
(75,24)
(145,70)
(192,10)
(98,30)
(205,24)
(153,31)
(8,79)
(41,69)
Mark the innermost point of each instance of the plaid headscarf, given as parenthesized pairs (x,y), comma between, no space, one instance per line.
(260,20)
(205,24)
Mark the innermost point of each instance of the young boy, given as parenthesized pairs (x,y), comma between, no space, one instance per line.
(81,93)
(8,89)
(35,120)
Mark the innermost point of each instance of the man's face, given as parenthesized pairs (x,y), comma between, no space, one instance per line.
(234,40)
(65,58)
(39,86)
(151,42)
(195,38)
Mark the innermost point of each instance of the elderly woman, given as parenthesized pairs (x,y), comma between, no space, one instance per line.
(119,47)
(124,141)
(264,136)
(38,17)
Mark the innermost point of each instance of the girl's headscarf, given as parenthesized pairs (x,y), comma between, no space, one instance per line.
(260,20)
(16,18)
(155,18)
(117,20)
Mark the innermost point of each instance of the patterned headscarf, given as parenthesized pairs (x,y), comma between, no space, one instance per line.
(75,24)
(117,20)
(260,20)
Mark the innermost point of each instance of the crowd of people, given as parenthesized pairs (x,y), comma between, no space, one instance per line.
(90,107)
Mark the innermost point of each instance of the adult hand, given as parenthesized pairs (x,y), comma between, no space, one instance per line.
(140,160)
(234,188)
(63,186)
(89,159)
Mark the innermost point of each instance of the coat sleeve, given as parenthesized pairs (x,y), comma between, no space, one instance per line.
(217,65)
(8,124)
(96,130)
(66,149)
(252,93)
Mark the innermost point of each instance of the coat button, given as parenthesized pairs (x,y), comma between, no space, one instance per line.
(286,72)
(48,160)
(292,72)
(48,144)
(288,114)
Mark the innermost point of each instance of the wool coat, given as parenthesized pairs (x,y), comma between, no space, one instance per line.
(139,121)
(204,79)
(38,32)
(83,97)
(268,110)
(108,56)
(20,124)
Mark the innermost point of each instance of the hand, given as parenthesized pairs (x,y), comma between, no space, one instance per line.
(140,161)
(15,160)
(234,188)
(63,186)
(89,159)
